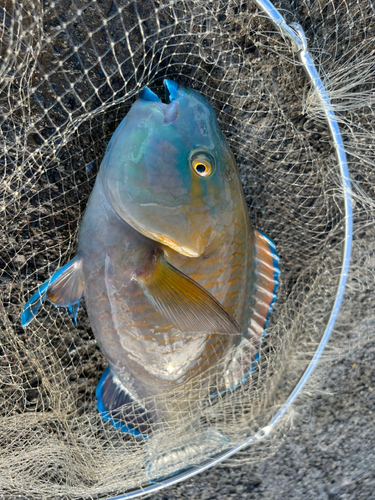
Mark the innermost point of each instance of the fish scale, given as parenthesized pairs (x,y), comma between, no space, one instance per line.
(178,286)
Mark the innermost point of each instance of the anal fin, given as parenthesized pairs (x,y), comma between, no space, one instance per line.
(116,405)
(63,289)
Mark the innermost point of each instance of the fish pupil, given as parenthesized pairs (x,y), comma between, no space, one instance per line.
(200,168)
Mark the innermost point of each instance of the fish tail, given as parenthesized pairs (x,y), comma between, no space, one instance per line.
(191,445)
(63,289)
(115,405)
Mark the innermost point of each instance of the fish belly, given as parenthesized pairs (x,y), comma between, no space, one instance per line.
(147,353)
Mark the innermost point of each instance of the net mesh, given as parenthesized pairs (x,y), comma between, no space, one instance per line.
(69,72)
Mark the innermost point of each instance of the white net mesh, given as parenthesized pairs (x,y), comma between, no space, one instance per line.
(69,72)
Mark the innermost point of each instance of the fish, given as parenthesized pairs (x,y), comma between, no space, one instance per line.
(177,283)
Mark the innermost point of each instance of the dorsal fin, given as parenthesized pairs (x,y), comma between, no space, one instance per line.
(267,269)
(262,295)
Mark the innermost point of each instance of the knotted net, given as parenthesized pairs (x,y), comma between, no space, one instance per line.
(69,72)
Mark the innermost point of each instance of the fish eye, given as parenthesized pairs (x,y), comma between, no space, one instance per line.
(202,164)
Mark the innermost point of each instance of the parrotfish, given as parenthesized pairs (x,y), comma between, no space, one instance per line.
(175,279)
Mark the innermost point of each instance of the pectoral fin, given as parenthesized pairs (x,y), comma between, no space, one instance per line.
(63,289)
(184,302)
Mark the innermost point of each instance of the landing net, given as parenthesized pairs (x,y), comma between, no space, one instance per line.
(69,73)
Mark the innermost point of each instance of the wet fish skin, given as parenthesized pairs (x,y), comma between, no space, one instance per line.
(149,182)
(159,248)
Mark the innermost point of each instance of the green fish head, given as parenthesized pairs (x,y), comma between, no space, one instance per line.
(169,173)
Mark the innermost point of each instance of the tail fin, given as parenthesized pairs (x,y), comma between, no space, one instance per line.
(63,289)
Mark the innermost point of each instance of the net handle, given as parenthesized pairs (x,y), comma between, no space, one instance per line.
(294,32)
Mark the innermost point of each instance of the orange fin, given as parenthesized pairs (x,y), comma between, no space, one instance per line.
(184,302)
(267,269)
(262,295)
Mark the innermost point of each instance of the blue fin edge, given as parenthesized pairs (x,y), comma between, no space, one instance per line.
(29,311)
(107,417)
(276,274)
(73,309)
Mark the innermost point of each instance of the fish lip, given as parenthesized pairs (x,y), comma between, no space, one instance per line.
(147,95)
(170,106)
(170,90)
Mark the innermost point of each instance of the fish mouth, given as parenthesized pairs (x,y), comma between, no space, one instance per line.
(170,106)
(170,92)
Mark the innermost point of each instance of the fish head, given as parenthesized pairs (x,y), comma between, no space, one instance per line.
(169,173)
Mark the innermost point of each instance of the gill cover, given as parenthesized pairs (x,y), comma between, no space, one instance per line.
(148,177)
